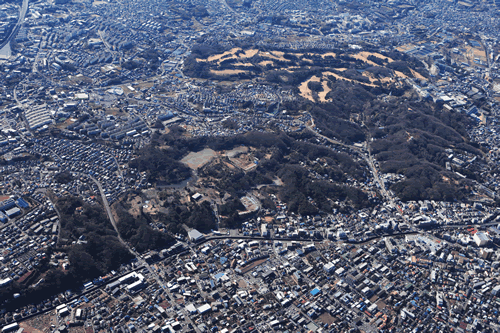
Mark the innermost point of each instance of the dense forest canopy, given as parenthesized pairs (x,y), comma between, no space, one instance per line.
(159,165)
(285,158)
(97,252)
(366,99)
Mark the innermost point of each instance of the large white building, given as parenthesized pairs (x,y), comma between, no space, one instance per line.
(5,282)
(481,238)
(329,268)
(204,308)
(194,235)
(439,299)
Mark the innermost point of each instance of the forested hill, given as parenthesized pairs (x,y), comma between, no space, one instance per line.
(358,95)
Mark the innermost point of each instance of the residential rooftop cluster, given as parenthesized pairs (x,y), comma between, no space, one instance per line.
(86,85)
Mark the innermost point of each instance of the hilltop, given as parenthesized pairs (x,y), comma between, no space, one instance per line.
(360,95)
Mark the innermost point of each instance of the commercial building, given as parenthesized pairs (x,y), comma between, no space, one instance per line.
(195,236)
(136,286)
(10,328)
(13,212)
(481,238)
(5,282)
(204,308)
(7,204)
(329,268)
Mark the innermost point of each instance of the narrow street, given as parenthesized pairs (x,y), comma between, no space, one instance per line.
(139,258)
(368,157)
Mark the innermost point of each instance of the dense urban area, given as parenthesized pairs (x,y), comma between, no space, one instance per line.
(249,166)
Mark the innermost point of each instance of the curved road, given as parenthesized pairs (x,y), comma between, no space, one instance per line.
(367,156)
(22,14)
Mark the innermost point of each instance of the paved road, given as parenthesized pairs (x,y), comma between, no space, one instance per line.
(88,291)
(105,42)
(143,264)
(225,4)
(59,219)
(475,225)
(20,21)
(367,156)
(286,239)
(108,210)
(139,258)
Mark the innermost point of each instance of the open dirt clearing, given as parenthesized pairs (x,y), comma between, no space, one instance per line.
(196,160)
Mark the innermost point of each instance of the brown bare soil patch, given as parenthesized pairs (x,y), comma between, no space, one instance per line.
(364,56)
(326,90)
(304,89)
(252,265)
(196,160)
(326,318)
(227,71)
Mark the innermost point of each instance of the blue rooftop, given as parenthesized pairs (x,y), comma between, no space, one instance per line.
(218,276)
(315,291)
